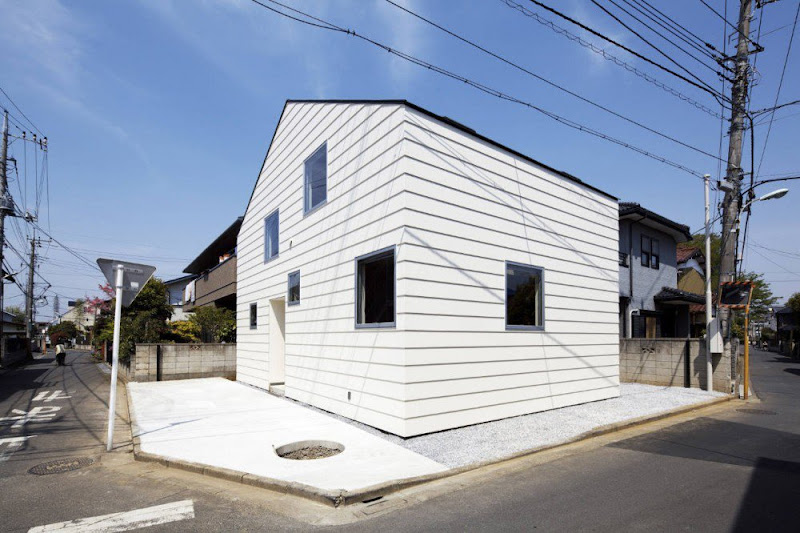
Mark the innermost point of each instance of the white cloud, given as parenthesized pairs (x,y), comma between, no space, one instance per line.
(405,34)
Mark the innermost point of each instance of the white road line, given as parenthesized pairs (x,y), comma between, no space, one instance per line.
(49,396)
(149,516)
(10,445)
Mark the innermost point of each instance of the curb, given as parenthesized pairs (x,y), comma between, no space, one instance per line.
(336,498)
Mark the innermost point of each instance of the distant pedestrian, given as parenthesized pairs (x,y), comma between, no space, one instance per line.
(61,354)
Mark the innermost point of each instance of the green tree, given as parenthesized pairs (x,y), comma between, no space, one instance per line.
(216,324)
(185,331)
(64,330)
(699,241)
(144,321)
(17,312)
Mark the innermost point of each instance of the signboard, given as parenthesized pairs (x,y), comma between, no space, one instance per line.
(134,277)
(735,294)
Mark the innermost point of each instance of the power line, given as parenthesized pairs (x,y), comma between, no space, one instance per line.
(21,112)
(571,20)
(484,88)
(651,45)
(685,30)
(717,13)
(609,56)
(549,82)
(780,85)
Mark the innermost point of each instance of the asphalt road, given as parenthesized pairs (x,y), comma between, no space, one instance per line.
(726,470)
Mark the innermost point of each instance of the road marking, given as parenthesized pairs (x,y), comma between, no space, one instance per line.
(37,414)
(10,445)
(149,516)
(49,396)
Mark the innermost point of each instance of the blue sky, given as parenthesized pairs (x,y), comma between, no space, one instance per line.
(159,112)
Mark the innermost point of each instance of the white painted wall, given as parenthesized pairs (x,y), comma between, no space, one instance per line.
(456,208)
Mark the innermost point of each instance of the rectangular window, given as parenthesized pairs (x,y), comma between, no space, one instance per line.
(655,256)
(253,316)
(645,251)
(294,288)
(315,189)
(375,283)
(524,297)
(271,231)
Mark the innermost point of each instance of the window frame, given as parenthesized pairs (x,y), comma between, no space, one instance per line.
(505,297)
(254,315)
(276,214)
(289,300)
(374,255)
(307,209)
(645,261)
(655,254)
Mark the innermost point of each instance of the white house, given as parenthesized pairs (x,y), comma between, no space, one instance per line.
(397,268)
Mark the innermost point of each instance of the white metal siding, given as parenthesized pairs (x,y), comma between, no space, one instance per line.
(456,208)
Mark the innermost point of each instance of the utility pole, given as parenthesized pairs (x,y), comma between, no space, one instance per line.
(29,292)
(734,174)
(3,206)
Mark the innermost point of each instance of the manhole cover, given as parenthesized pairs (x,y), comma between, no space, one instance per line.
(757,411)
(309,449)
(60,465)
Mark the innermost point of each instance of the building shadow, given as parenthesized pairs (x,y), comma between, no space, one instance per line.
(771,500)
(795,371)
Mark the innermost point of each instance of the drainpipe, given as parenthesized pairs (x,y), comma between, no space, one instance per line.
(629,314)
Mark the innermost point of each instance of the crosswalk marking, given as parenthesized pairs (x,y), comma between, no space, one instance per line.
(139,518)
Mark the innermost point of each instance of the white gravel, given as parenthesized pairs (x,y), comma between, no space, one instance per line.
(502,438)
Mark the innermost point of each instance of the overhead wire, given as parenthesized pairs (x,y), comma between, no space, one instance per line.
(608,56)
(724,19)
(683,28)
(549,82)
(481,87)
(21,112)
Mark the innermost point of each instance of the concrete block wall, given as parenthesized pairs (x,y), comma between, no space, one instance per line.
(164,362)
(672,363)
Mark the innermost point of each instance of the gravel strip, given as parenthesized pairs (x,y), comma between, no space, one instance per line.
(501,438)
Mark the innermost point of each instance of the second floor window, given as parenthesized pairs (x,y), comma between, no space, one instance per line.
(315,182)
(271,230)
(651,255)
(253,316)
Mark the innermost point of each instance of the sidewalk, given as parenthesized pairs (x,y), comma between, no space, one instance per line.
(232,427)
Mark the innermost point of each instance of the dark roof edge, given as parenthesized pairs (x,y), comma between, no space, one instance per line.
(466,129)
(236,225)
(176,280)
(632,208)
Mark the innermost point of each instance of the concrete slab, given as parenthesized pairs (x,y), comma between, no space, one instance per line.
(224,424)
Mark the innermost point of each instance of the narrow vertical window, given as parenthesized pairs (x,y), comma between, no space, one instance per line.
(253,316)
(271,232)
(375,295)
(655,256)
(645,251)
(524,297)
(315,185)
(294,288)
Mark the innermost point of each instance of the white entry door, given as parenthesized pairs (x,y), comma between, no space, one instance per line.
(277,341)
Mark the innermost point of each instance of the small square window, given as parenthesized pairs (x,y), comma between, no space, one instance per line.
(375,296)
(271,234)
(524,297)
(315,181)
(294,288)
(253,316)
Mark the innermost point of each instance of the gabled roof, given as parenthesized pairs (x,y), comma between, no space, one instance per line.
(444,119)
(686,251)
(634,211)
(223,244)
(673,295)
(179,280)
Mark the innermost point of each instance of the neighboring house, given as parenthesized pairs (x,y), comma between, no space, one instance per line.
(215,273)
(650,303)
(397,268)
(691,278)
(175,294)
(12,326)
(787,331)
(80,316)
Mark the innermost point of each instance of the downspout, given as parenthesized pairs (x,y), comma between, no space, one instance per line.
(629,314)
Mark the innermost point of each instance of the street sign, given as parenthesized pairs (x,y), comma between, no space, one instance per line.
(127,280)
(735,294)
(134,277)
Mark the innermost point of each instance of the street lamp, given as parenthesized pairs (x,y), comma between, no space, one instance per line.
(779,193)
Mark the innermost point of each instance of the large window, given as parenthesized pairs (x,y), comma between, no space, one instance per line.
(524,297)
(271,233)
(253,316)
(315,189)
(375,298)
(294,288)
(651,256)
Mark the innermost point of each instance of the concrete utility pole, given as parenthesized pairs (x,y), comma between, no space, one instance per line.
(29,292)
(3,192)
(734,174)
